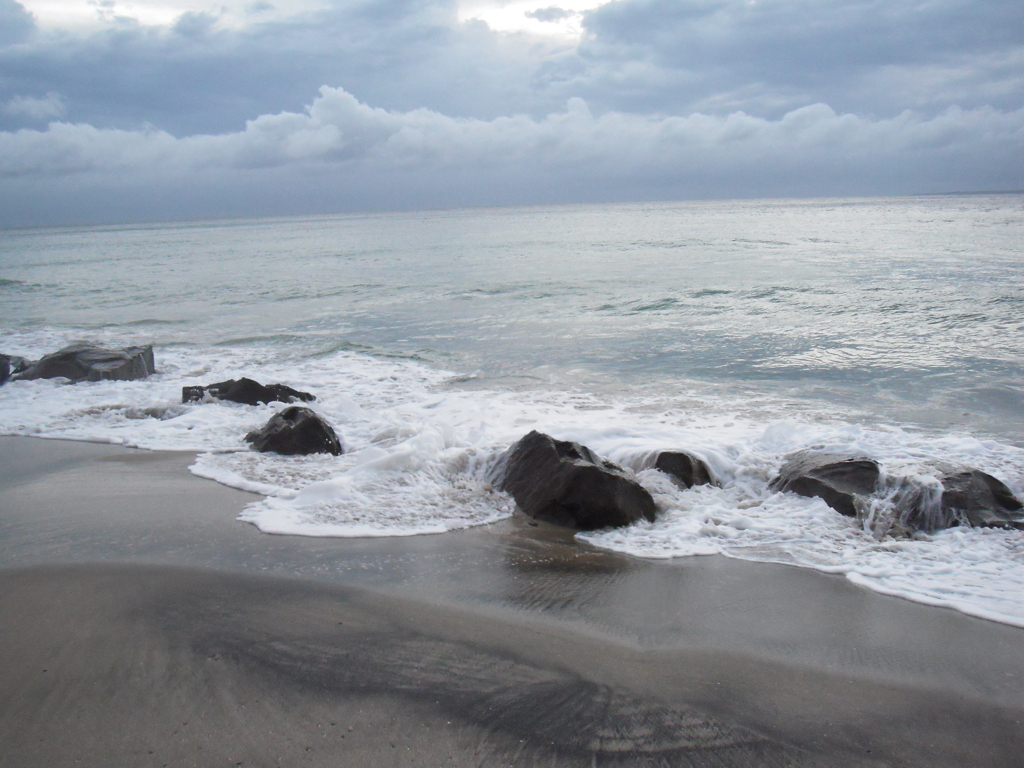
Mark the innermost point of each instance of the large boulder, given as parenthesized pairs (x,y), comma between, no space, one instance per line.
(834,478)
(969,497)
(246,391)
(568,484)
(11,365)
(296,431)
(684,468)
(85,362)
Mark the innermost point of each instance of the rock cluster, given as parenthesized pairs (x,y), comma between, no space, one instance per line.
(246,391)
(566,483)
(292,431)
(849,484)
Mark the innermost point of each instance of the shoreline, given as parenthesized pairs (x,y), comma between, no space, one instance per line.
(131,582)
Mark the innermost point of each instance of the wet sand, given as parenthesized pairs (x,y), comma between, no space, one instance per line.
(141,624)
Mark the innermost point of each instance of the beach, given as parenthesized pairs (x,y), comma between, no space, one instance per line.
(142,624)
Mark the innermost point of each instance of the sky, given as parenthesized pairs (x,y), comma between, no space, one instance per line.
(141,110)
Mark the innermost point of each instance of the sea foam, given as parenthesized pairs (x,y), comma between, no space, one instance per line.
(419,442)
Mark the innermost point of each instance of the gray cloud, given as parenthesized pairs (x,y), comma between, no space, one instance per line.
(340,153)
(767,57)
(16,24)
(701,98)
(195,77)
(36,108)
(651,56)
(808,37)
(552,13)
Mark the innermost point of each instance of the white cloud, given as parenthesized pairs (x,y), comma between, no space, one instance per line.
(713,98)
(338,130)
(211,65)
(49,106)
(79,14)
(560,19)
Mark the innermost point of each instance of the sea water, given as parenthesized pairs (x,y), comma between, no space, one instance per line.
(741,331)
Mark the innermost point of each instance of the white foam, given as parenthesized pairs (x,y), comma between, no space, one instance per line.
(415,458)
(977,571)
(418,446)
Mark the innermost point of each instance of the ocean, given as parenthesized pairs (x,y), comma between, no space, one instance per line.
(741,331)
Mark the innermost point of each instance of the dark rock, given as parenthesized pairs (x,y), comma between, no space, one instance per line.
(11,365)
(983,500)
(296,431)
(567,484)
(84,362)
(684,468)
(193,394)
(832,477)
(960,497)
(245,391)
(969,497)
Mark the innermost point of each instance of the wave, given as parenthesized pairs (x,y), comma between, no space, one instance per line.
(419,443)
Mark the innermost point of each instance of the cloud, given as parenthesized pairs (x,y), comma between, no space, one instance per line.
(193,24)
(361,156)
(648,56)
(553,13)
(666,99)
(199,77)
(770,56)
(49,106)
(16,24)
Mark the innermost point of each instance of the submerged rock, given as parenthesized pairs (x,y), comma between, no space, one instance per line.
(11,365)
(85,362)
(246,391)
(834,478)
(296,431)
(968,497)
(684,468)
(567,484)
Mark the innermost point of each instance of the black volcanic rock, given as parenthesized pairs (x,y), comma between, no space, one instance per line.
(295,431)
(969,497)
(567,484)
(684,468)
(835,478)
(246,391)
(85,362)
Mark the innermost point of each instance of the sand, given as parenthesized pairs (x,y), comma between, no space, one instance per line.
(142,624)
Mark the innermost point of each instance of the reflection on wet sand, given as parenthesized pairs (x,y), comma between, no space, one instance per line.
(508,645)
